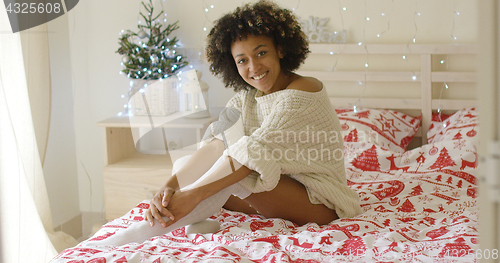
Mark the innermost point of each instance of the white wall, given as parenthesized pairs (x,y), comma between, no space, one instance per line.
(94,30)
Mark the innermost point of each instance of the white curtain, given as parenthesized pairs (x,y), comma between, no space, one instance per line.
(26,230)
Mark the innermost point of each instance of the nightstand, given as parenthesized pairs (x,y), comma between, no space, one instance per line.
(131,176)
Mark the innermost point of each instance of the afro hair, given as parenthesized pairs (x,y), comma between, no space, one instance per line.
(261,18)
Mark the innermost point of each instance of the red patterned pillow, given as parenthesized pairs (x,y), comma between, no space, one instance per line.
(461,125)
(388,129)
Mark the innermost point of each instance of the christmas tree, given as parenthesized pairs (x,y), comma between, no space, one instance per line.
(150,53)
(417,190)
(443,160)
(352,136)
(407,206)
(457,136)
(368,160)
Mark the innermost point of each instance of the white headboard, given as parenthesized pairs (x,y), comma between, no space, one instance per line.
(426,76)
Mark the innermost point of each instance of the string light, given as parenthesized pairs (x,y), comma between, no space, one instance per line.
(367,58)
(415,14)
(443,61)
(412,40)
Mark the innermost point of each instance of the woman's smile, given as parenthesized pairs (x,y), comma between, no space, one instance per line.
(260,76)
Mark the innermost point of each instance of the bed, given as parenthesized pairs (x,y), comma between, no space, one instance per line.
(419,202)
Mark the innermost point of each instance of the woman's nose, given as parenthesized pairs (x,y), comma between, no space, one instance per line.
(254,65)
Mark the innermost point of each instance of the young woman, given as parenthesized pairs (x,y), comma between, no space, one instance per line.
(284,156)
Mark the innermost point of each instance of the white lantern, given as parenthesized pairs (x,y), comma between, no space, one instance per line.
(195,96)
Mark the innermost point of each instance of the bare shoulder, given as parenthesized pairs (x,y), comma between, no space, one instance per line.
(309,84)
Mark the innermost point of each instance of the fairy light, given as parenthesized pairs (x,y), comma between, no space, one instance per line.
(389,16)
(297,6)
(444,61)
(415,15)
(412,40)
(367,18)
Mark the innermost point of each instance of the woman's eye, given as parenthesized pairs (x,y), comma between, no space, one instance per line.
(241,61)
(262,53)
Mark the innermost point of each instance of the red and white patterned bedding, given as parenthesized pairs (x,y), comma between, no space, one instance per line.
(419,206)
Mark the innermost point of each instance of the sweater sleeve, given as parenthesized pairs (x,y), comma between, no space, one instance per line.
(262,150)
(230,122)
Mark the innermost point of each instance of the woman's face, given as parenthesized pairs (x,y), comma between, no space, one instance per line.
(258,63)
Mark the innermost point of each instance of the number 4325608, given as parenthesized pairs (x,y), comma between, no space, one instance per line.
(32,8)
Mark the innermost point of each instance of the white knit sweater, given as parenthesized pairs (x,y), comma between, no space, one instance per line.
(292,132)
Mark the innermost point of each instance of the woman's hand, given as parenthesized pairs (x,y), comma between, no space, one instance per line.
(157,207)
(167,202)
(181,204)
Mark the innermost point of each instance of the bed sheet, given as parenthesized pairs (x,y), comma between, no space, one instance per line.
(419,206)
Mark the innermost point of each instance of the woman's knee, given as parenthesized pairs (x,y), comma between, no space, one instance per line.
(179,163)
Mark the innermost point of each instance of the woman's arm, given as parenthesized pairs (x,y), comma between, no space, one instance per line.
(199,163)
(221,178)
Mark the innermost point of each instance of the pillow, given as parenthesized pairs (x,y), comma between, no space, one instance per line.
(463,124)
(388,129)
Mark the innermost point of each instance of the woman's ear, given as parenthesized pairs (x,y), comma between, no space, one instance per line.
(281,54)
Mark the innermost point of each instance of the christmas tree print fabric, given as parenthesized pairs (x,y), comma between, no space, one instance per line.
(419,206)
(460,126)
(389,129)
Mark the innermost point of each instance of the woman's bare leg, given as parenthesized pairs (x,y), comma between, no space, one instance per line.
(236,204)
(289,200)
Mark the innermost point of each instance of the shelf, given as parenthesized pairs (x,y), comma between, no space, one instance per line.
(141,160)
(176,120)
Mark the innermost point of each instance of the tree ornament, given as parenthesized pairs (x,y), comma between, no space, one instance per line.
(126,59)
(170,53)
(155,31)
(154,59)
(142,34)
(433,150)
(471,133)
